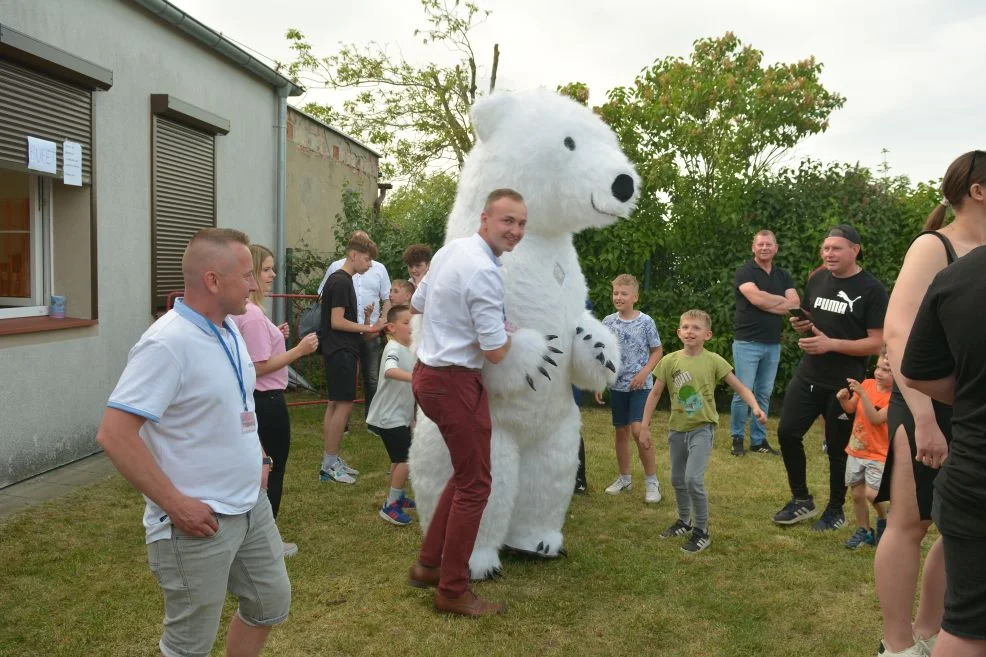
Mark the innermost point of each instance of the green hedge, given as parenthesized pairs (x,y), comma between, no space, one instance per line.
(686,255)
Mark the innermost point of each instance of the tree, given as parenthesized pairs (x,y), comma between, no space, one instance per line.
(719,116)
(418,115)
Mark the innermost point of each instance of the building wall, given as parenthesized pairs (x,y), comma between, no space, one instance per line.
(55,385)
(320,164)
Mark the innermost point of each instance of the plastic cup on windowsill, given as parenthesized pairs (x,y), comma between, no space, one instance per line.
(57,310)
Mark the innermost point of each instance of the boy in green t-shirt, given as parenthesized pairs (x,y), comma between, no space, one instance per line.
(691,375)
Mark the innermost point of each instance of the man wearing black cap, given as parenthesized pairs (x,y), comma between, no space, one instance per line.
(842,323)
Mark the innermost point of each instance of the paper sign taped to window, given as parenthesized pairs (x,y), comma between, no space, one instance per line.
(42,155)
(72,163)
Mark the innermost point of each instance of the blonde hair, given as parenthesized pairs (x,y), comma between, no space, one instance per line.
(627,280)
(699,315)
(259,253)
(404,284)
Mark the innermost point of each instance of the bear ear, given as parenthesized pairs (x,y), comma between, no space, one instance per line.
(488,113)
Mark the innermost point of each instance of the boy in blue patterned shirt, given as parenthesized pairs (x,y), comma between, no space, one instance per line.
(640,351)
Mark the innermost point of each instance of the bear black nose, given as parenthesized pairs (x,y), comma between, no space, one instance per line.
(623,187)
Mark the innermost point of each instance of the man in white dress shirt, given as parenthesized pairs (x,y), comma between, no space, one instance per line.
(463,326)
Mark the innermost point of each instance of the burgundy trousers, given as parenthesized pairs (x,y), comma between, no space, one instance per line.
(454,398)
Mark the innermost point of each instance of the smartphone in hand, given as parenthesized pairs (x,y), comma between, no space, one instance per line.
(801,314)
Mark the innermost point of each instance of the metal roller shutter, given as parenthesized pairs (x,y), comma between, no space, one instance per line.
(184,200)
(33,104)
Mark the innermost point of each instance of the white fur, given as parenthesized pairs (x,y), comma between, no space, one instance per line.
(535,432)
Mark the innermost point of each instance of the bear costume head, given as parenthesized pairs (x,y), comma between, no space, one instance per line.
(558,154)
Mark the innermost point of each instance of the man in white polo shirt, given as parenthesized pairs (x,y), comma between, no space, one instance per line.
(180,426)
(372,289)
(463,326)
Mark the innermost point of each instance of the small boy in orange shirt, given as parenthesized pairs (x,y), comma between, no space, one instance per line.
(867,448)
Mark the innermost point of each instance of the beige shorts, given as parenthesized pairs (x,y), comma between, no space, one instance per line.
(245,556)
(859,470)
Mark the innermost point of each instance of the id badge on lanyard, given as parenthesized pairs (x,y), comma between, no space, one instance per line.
(248,418)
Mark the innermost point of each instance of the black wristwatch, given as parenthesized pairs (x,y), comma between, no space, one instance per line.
(267,461)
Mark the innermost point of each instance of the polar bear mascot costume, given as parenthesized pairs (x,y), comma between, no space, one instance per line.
(569,167)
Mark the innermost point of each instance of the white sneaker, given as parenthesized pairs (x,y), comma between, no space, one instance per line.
(290,549)
(927,645)
(914,651)
(348,469)
(619,486)
(653,494)
(336,474)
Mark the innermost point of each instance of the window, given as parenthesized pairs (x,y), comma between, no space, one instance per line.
(183,171)
(25,244)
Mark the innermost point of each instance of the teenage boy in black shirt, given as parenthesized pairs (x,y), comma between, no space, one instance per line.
(843,325)
(340,342)
(945,359)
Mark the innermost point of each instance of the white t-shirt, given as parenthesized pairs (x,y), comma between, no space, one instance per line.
(393,403)
(180,378)
(371,287)
(461,301)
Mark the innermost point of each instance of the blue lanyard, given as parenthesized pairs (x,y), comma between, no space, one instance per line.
(237,364)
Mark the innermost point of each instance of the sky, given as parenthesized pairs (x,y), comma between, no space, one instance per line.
(911,70)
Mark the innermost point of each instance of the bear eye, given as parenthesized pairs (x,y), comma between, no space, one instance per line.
(569,143)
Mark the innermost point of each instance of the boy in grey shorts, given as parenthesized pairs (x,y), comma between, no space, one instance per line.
(691,375)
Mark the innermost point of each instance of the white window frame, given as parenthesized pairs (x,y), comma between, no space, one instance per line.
(42,265)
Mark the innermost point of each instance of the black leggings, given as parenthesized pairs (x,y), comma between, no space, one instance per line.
(274,427)
(803,403)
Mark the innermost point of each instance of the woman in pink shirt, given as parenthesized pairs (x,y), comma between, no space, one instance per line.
(265,342)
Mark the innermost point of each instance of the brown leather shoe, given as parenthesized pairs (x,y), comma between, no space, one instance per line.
(468,604)
(423,577)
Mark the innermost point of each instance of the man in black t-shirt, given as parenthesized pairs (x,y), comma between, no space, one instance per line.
(340,344)
(764,294)
(945,359)
(844,308)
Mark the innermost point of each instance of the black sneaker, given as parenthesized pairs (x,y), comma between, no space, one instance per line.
(795,511)
(831,520)
(764,448)
(679,528)
(698,542)
(737,449)
(581,488)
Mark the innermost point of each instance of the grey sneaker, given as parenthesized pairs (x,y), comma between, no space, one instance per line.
(290,549)
(679,528)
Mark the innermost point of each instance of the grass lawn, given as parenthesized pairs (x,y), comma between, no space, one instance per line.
(75,581)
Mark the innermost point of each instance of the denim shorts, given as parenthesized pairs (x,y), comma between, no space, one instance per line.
(627,406)
(245,556)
